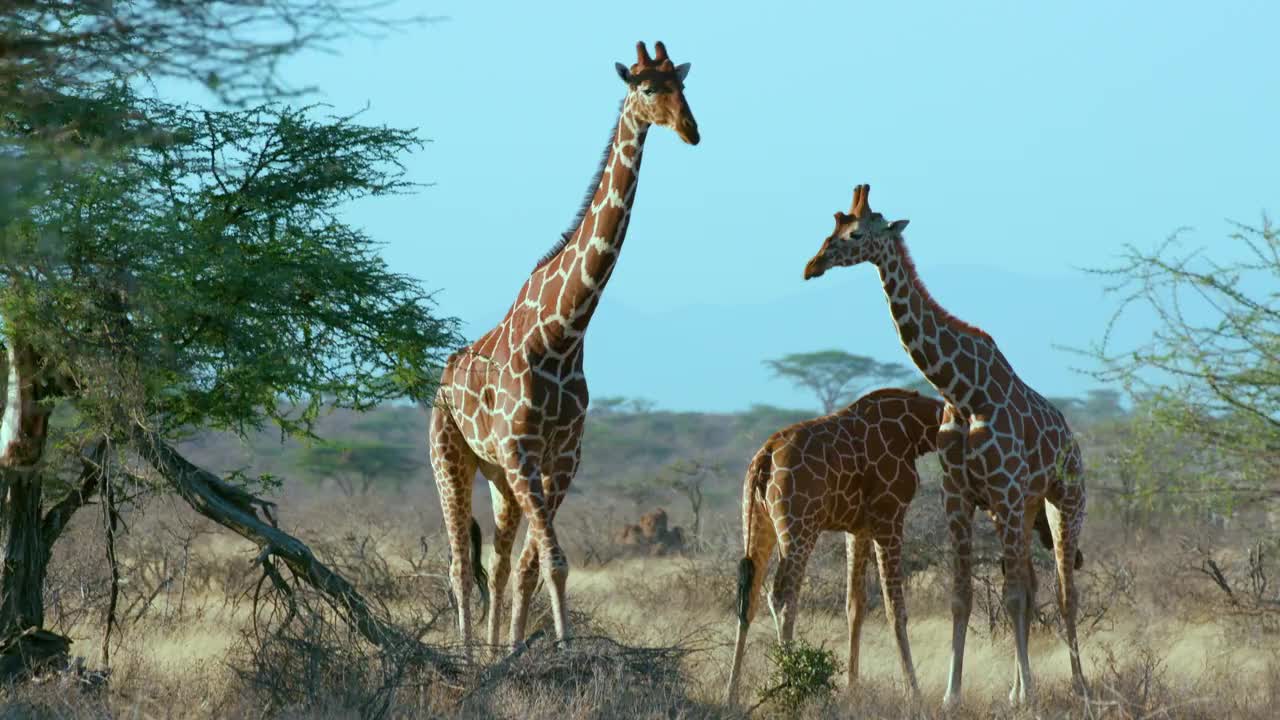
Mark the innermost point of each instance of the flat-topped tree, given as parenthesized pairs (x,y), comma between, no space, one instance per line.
(835,376)
(512,405)
(1005,447)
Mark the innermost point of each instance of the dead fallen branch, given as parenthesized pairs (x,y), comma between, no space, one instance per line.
(237,509)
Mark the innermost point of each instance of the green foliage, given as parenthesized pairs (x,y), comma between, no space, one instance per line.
(1208,381)
(801,673)
(205,278)
(834,376)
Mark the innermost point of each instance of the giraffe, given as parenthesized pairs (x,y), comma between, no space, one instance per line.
(1005,447)
(512,404)
(851,471)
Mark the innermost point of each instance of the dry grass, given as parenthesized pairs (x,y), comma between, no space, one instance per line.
(1162,649)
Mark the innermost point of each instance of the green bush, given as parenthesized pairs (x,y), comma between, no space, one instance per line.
(801,673)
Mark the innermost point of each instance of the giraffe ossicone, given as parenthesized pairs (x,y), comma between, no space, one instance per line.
(512,404)
(1003,445)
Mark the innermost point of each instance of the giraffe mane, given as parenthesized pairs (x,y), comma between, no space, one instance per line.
(567,235)
(951,320)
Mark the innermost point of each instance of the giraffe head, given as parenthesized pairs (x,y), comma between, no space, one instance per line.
(655,91)
(860,235)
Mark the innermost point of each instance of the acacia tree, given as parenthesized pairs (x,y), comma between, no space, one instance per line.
(835,376)
(357,466)
(1211,370)
(196,277)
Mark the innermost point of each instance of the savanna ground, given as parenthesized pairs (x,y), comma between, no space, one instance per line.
(1161,636)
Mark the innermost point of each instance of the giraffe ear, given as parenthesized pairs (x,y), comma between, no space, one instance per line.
(682,71)
(898,225)
(623,72)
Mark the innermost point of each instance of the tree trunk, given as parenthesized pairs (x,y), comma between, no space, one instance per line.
(24,423)
(26,557)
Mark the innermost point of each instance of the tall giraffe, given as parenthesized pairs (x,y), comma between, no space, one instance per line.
(852,471)
(1004,446)
(512,404)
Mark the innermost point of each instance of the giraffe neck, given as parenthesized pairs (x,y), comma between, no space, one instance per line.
(946,350)
(584,265)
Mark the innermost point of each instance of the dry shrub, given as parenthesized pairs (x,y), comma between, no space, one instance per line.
(304,660)
(593,677)
(1243,578)
(699,583)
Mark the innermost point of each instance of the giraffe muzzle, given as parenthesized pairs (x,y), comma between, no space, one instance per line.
(689,133)
(813,269)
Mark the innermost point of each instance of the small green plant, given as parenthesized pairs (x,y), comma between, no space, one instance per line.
(801,673)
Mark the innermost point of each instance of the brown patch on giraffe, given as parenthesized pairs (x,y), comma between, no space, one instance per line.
(947,345)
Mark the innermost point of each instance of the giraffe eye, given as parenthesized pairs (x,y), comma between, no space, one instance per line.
(648,91)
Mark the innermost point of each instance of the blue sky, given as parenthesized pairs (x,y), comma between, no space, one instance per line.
(1024,141)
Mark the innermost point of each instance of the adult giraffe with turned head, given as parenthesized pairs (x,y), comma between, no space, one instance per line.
(512,404)
(1004,446)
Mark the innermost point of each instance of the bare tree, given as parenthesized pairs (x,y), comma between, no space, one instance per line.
(689,478)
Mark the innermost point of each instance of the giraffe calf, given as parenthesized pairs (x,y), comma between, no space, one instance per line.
(852,471)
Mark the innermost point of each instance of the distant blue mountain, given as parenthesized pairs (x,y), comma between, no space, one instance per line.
(710,357)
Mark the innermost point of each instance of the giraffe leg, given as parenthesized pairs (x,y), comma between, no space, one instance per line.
(1066,518)
(554,562)
(453,465)
(760,538)
(889,558)
(785,598)
(959,513)
(526,583)
(1019,583)
(506,518)
(857,552)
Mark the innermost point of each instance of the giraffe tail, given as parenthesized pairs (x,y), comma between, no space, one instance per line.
(746,575)
(477,568)
(1046,537)
(757,476)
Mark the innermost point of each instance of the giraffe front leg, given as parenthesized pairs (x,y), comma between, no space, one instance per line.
(959,514)
(506,518)
(889,558)
(857,551)
(526,584)
(1019,586)
(551,557)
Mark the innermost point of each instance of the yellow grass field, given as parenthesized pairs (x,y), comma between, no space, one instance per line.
(1165,647)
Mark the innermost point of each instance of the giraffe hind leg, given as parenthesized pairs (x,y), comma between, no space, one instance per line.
(794,551)
(889,559)
(453,465)
(760,539)
(1066,519)
(857,552)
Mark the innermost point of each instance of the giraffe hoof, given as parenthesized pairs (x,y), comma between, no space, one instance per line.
(1018,698)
